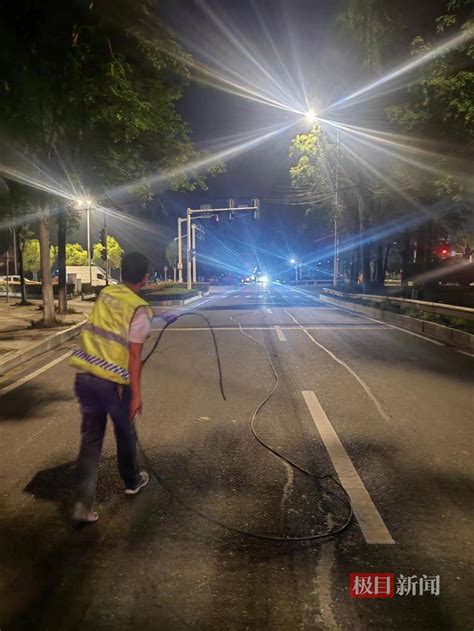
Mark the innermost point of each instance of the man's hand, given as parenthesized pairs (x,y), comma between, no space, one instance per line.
(135,408)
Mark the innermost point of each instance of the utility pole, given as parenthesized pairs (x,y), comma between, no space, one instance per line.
(8,274)
(105,251)
(89,253)
(208,212)
(180,249)
(336,238)
(193,231)
(15,256)
(189,282)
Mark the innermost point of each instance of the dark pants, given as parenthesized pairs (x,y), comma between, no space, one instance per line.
(99,398)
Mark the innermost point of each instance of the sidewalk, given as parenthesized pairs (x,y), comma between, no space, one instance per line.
(20,326)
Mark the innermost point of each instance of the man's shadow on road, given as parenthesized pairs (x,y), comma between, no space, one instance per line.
(30,401)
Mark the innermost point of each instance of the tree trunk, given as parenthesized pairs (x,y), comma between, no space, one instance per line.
(406,260)
(379,267)
(19,254)
(385,261)
(364,248)
(354,266)
(46,279)
(62,288)
(422,250)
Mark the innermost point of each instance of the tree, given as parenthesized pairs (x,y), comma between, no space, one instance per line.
(171,253)
(32,256)
(323,168)
(75,254)
(114,253)
(427,194)
(91,88)
(440,104)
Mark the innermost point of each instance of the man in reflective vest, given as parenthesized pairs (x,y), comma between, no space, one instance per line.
(108,360)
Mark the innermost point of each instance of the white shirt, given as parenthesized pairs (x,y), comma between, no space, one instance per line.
(140,326)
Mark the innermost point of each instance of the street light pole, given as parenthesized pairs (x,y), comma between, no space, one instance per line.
(295,263)
(193,234)
(205,213)
(189,283)
(336,253)
(106,251)
(89,254)
(180,250)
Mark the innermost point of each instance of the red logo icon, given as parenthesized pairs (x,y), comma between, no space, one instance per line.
(372,585)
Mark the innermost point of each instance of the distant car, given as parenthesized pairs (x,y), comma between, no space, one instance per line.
(246,280)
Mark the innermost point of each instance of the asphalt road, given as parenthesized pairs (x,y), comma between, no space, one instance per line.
(387,413)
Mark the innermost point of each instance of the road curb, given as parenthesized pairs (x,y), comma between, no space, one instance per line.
(21,357)
(171,303)
(438,332)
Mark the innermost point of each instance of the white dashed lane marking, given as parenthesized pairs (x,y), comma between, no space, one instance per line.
(371,523)
(280,334)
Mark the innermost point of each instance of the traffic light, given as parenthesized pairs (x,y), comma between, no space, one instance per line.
(103,241)
(443,250)
(256,212)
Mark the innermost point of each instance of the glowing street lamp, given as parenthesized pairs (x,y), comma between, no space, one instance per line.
(310,116)
(294,262)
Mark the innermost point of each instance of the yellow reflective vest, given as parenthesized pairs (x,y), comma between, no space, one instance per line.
(103,347)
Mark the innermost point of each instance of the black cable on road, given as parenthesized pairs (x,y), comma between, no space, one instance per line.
(292,463)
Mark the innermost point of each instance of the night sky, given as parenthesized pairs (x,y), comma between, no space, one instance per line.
(307,40)
(294,46)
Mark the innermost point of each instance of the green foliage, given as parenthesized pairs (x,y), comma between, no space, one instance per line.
(114,253)
(366,21)
(440,104)
(320,168)
(436,111)
(31,255)
(96,84)
(75,254)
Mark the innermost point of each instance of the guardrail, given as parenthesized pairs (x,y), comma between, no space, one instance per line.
(466,313)
(310,282)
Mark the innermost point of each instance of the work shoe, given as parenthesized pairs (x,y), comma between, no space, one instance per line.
(144,479)
(83,515)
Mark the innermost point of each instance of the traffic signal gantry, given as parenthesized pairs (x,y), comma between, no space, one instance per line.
(206,212)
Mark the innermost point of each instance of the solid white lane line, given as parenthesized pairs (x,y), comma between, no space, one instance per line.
(268,310)
(32,375)
(371,523)
(342,363)
(466,353)
(284,327)
(280,334)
